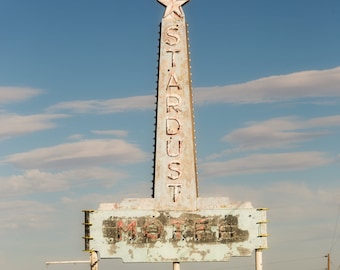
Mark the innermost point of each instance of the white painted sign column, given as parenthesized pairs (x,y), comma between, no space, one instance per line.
(175,178)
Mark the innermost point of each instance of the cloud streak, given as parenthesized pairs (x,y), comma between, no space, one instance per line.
(280,132)
(119,133)
(15,125)
(78,154)
(137,103)
(263,163)
(298,85)
(10,94)
(35,180)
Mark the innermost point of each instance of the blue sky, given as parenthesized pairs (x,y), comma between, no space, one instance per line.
(77,86)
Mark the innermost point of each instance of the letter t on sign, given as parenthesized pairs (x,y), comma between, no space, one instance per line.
(176,190)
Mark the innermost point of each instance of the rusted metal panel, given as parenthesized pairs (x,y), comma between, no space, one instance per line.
(167,236)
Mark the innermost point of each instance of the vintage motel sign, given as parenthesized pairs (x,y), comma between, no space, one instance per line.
(176,224)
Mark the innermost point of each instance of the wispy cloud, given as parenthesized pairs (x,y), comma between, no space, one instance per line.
(15,125)
(298,85)
(79,154)
(35,180)
(304,84)
(137,103)
(119,133)
(76,137)
(280,132)
(262,163)
(14,94)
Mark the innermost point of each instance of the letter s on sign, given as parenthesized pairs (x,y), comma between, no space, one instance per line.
(172,36)
(175,172)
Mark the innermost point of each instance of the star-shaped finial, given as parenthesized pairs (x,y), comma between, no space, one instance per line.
(173,6)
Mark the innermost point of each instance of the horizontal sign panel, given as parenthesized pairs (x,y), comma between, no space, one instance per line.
(168,236)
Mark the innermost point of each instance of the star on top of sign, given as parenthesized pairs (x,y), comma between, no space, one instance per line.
(173,6)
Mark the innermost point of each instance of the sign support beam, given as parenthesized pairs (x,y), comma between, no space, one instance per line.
(176,266)
(258,259)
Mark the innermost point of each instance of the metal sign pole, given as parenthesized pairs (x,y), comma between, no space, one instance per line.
(66,262)
(258,259)
(93,260)
(176,266)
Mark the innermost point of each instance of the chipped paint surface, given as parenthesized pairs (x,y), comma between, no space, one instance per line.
(167,236)
(175,225)
(175,176)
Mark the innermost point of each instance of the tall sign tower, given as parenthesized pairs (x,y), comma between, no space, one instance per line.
(176,225)
(175,178)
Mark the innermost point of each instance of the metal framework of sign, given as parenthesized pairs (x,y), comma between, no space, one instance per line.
(176,224)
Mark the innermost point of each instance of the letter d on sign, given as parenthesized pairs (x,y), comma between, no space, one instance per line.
(173,126)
